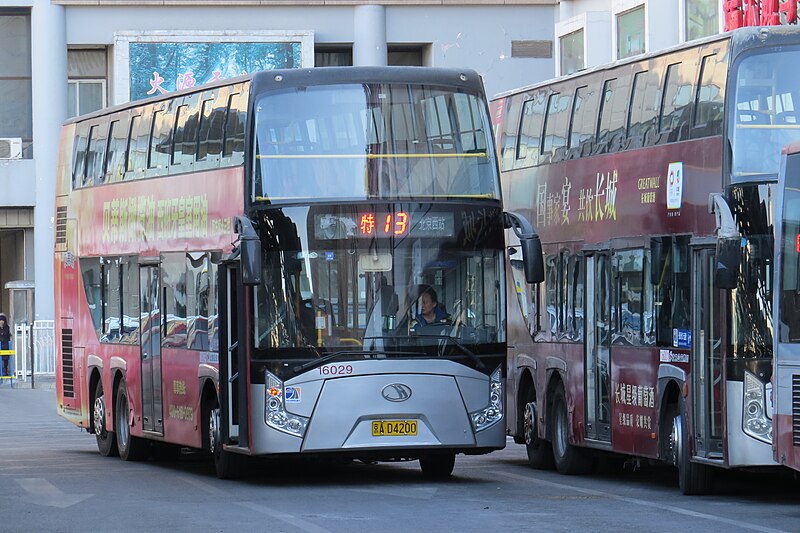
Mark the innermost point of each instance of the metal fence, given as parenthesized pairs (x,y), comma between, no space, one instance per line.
(35,348)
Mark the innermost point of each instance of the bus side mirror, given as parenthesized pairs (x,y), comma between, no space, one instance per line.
(532,260)
(249,251)
(531,245)
(728,257)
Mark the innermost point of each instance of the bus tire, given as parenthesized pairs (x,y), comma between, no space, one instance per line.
(540,452)
(693,478)
(437,465)
(569,459)
(106,440)
(130,448)
(226,464)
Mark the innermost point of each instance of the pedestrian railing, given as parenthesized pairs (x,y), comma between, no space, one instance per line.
(35,350)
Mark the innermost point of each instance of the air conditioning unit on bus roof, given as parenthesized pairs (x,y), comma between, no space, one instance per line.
(10,148)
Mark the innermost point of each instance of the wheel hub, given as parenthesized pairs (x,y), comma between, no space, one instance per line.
(529,424)
(213,430)
(99,416)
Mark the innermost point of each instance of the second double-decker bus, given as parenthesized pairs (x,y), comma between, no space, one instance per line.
(293,262)
(786,377)
(652,183)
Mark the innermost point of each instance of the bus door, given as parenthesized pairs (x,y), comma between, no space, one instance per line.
(232,367)
(706,359)
(597,347)
(150,327)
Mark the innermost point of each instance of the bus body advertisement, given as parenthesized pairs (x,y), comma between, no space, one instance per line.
(304,261)
(652,183)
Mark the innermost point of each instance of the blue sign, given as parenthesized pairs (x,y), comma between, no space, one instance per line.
(158,68)
(681,338)
(329,256)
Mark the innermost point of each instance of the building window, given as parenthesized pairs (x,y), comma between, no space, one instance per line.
(87,81)
(572,57)
(630,33)
(702,18)
(16,104)
(405,56)
(341,56)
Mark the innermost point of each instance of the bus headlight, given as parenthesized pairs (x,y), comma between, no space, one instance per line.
(755,421)
(275,414)
(493,413)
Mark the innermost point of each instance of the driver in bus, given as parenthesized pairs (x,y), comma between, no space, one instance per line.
(430,312)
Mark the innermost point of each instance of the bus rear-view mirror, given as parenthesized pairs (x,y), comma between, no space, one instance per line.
(726,272)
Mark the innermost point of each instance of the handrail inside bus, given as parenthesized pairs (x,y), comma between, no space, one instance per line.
(489,196)
(769,126)
(369,156)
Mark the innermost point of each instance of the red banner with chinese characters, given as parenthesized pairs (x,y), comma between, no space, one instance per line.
(740,13)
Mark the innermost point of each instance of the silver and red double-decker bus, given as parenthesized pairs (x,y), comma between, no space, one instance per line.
(652,183)
(293,262)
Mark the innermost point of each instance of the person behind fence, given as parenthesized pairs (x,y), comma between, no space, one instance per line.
(5,344)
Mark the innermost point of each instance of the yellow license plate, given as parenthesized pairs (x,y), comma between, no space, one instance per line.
(394,428)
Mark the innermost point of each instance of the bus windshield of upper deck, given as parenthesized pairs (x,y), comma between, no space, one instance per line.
(393,277)
(360,141)
(765,115)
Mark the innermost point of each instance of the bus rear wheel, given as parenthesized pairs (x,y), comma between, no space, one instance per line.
(130,448)
(569,459)
(437,466)
(226,464)
(106,440)
(540,452)
(693,478)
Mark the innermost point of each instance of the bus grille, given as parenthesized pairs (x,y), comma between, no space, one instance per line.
(61,229)
(67,374)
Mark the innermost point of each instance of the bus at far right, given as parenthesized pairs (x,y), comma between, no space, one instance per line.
(786,362)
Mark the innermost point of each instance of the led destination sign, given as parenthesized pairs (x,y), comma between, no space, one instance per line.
(372,224)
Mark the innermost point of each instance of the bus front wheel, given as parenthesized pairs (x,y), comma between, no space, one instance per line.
(106,440)
(693,478)
(130,448)
(569,459)
(540,452)
(226,464)
(437,466)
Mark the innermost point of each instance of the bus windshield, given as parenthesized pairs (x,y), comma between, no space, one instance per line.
(359,141)
(380,277)
(766,112)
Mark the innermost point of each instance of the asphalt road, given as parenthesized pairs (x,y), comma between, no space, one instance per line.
(53,479)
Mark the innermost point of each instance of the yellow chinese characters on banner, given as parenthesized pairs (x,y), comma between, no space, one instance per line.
(631,395)
(595,203)
(143,217)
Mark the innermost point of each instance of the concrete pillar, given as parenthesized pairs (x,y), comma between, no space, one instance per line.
(369,41)
(49,78)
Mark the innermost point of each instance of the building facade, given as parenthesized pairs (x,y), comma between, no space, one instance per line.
(594,32)
(68,57)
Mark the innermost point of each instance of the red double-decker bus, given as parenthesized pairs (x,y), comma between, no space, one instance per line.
(294,262)
(652,182)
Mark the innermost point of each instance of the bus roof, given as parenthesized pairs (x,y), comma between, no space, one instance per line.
(268,79)
(740,36)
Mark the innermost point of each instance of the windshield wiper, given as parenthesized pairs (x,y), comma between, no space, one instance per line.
(333,355)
